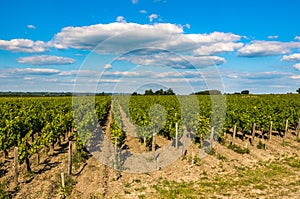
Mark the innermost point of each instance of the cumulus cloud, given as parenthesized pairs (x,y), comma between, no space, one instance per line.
(108,66)
(214,37)
(159,58)
(188,26)
(295,77)
(152,17)
(273,37)
(297,66)
(88,37)
(87,73)
(291,58)
(217,48)
(28,78)
(32,71)
(121,19)
(143,11)
(132,35)
(297,38)
(134,1)
(23,45)
(30,26)
(46,60)
(255,76)
(267,48)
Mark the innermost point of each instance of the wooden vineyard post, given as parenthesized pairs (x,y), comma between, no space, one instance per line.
(286,127)
(298,129)
(16,165)
(63,184)
(234,132)
(270,131)
(70,159)
(285,130)
(253,133)
(153,142)
(116,154)
(211,138)
(176,136)
(157,165)
(184,142)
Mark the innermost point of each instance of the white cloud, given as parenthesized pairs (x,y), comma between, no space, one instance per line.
(188,26)
(30,26)
(267,48)
(297,38)
(291,58)
(134,1)
(88,37)
(143,11)
(128,36)
(297,66)
(171,60)
(32,71)
(218,48)
(152,17)
(214,37)
(104,80)
(28,78)
(257,76)
(108,66)
(273,37)
(87,73)
(295,76)
(121,19)
(46,60)
(23,45)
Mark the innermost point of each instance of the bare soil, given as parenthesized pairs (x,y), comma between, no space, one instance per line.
(95,180)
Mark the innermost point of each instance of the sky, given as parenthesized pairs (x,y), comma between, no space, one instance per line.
(132,45)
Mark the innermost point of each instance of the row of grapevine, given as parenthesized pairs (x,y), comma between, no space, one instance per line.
(36,123)
(33,124)
(197,114)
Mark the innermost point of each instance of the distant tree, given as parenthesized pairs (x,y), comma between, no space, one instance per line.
(149,92)
(170,92)
(298,90)
(208,92)
(159,92)
(134,93)
(245,92)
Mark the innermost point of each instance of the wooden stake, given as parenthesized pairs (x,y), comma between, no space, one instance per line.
(157,160)
(116,153)
(298,129)
(286,127)
(253,132)
(184,142)
(285,131)
(234,132)
(270,131)
(63,180)
(153,142)
(211,137)
(70,159)
(176,138)
(16,165)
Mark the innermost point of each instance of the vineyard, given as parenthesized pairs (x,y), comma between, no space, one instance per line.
(43,137)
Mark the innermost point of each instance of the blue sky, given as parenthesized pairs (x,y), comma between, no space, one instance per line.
(130,45)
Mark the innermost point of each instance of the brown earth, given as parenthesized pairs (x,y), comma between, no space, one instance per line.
(95,180)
